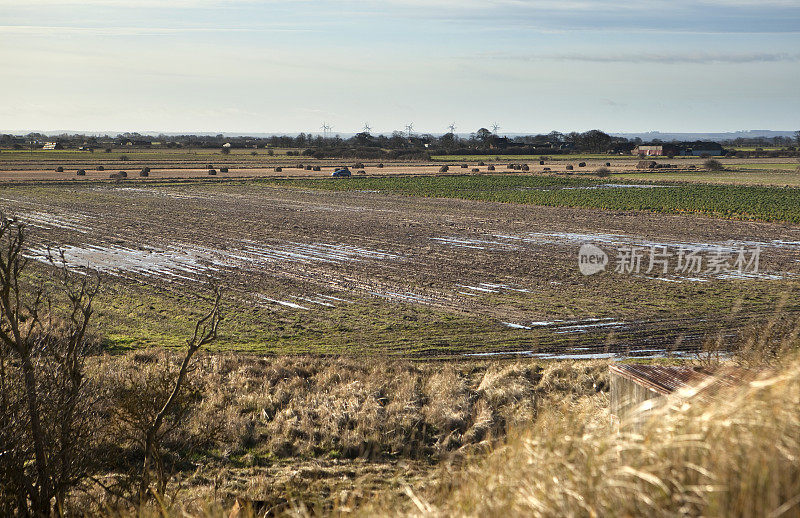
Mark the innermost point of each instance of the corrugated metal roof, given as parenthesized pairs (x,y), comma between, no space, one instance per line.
(664,380)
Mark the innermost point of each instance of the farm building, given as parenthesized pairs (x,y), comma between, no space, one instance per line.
(638,389)
(52,145)
(702,148)
(649,150)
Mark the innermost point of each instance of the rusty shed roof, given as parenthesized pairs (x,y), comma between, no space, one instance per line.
(664,380)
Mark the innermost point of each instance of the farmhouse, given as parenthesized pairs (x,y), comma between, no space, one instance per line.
(649,150)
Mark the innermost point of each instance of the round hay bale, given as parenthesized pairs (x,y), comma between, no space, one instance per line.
(59,169)
(317,168)
(481,163)
(361,172)
(115,176)
(144,173)
(209,166)
(146,169)
(223,169)
(608,164)
(81,172)
(541,162)
(525,167)
(476,170)
(510,166)
(278,169)
(444,169)
(546,169)
(581,164)
(464,166)
(358,165)
(570,168)
(123,174)
(301,166)
(212,172)
(101,168)
(308,168)
(380,166)
(490,168)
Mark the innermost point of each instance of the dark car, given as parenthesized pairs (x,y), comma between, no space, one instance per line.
(342,173)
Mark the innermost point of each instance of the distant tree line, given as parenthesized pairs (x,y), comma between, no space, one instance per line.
(397,145)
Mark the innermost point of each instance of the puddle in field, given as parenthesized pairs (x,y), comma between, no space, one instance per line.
(403,297)
(617,186)
(187,261)
(577,354)
(489,287)
(47,221)
(571,326)
(576,238)
(478,244)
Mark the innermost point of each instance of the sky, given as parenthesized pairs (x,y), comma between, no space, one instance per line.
(288,66)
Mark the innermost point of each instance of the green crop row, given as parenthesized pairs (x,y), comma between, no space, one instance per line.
(728,201)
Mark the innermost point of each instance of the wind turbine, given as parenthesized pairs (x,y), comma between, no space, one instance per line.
(452,128)
(326,128)
(366,127)
(495,127)
(410,128)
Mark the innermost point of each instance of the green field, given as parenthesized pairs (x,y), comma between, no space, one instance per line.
(139,154)
(726,201)
(753,176)
(512,158)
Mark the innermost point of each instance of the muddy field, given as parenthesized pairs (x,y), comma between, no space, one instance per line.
(314,271)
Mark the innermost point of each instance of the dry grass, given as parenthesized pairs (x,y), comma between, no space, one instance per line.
(738,455)
(321,432)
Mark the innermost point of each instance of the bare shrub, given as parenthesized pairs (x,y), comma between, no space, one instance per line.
(570,168)
(481,163)
(80,172)
(525,167)
(101,168)
(380,166)
(212,172)
(713,165)
(59,169)
(581,164)
(602,172)
(47,421)
(464,166)
(490,168)
(223,169)
(444,169)
(278,169)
